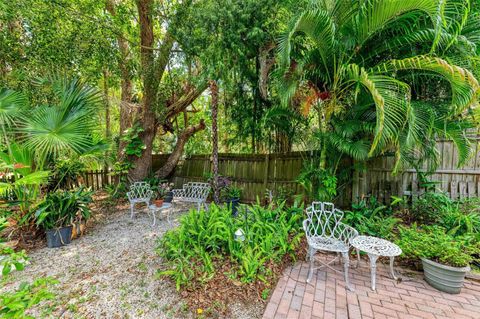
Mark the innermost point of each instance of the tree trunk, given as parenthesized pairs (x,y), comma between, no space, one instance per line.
(214,92)
(173,159)
(142,165)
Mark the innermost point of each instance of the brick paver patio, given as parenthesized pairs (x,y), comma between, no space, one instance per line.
(326,296)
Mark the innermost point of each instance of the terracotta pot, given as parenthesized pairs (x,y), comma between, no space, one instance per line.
(158,202)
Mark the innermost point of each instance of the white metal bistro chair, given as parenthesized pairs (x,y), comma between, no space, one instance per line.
(326,232)
(140,192)
(193,192)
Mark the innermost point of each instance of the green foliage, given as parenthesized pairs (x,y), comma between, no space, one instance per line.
(433,243)
(463,218)
(354,64)
(369,217)
(67,125)
(65,170)
(14,304)
(203,238)
(134,144)
(160,187)
(62,208)
(319,184)
(10,258)
(231,192)
(430,208)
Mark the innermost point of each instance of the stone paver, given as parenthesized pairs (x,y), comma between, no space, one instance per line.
(327,297)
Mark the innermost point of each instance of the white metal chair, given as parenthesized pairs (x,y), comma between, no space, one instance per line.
(326,232)
(140,192)
(193,192)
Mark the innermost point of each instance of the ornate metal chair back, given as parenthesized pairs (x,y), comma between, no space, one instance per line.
(140,190)
(323,220)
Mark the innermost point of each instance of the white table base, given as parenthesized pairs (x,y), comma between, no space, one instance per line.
(373,267)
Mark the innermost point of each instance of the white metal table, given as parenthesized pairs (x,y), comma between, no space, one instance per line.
(153,209)
(376,247)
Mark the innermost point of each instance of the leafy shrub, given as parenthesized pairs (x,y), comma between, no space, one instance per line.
(369,217)
(433,243)
(462,218)
(430,208)
(14,304)
(319,184)
(65,170)
(61,208)
(203,238)
(9,259)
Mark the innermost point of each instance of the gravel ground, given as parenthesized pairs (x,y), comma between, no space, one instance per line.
(110,272)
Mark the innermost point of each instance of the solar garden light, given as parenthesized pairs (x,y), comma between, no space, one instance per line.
(239,235)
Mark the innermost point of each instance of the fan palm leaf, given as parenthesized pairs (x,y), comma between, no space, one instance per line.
(64,128)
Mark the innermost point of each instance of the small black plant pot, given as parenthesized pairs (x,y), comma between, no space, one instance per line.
(59,237)
(233,203)
(168,198)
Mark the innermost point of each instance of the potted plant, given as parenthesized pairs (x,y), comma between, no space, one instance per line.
(168,192)
(445,259)
(232,196)
(59,211)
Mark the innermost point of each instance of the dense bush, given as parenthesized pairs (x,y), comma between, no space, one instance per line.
(62,208)
(430,208)
(448,230)
(432,242)
(266,234)
(371,218)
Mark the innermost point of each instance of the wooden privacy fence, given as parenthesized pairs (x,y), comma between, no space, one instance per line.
(254,173)
(377,180)
(95,180)
(257,173)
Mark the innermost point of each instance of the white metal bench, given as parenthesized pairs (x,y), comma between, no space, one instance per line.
(140,192)
(193,192)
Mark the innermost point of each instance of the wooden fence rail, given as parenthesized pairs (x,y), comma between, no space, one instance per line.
(257,173)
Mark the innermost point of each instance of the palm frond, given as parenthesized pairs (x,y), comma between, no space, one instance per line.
(11,106)
(464,85)
(66,127)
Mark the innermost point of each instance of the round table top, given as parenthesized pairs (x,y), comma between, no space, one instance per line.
(376,246)
(164,206)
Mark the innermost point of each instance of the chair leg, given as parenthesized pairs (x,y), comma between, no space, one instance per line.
(307,257)
(311,253)
(199,206)
(132,207)
(346,264)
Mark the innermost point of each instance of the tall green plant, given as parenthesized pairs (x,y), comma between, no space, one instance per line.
(191,250)
(62,208)
(64,127)
(353,64)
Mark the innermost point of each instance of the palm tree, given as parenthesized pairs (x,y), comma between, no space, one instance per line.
(355,62)
(68,127)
